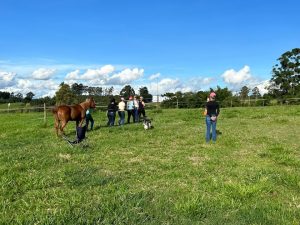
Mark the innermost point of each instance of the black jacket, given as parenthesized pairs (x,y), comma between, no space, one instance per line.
(112,107)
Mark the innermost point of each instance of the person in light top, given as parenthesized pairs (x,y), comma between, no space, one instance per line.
(130,108)
(121,111)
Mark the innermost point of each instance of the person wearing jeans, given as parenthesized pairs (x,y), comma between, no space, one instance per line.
(142,107)
(121,111)
(130,109)
(136,110)
(210,126)
(89,118)
(212,113)
(111,112)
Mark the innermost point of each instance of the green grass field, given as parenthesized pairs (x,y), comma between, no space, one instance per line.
(167,175)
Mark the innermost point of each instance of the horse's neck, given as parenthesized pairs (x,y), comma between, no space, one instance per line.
(84,105)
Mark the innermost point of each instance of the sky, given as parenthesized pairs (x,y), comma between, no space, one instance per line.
(165,45)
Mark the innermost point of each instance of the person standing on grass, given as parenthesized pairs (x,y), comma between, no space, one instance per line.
(212,113)
(121,111)
(88,118)
(136,110)
(112,108)
(142,107)
(130,108)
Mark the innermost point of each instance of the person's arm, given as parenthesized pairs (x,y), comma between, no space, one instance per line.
(205,110)
(218,109)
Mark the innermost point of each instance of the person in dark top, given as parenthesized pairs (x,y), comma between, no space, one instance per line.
(142,107)
(89,118)
(212,112)
(112,108)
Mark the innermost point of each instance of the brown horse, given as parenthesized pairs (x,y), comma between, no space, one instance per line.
(64,113)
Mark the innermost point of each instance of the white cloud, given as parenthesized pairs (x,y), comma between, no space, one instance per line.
(166,85)
(199,83)
(39,88)
(101,73)
(262,87)
(7,79)
(43,73)
(125,76)
(235,78)
(74,75)
(154,76)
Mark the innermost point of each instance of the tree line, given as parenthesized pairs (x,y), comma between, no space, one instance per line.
(75,93)
(78,92)
(284,84)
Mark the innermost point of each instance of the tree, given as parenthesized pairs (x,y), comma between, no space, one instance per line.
(95,91)
(127,91)
(64,95)
(78,89)
(244,92)
(255,93)
(223,93)
(110,90)
(286,75)
(168,95)
(18,97)
(29,97)
(145,94)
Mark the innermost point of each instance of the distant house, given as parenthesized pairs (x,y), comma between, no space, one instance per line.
(160,98)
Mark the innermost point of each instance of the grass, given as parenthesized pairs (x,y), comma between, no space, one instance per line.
(167,175)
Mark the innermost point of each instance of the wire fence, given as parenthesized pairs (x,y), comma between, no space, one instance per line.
(165,104)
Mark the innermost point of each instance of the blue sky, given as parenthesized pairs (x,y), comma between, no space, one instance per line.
(182,45)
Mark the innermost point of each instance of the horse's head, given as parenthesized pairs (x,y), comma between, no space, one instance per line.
(91,102)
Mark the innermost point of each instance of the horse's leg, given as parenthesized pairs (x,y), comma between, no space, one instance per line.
(62,126)
(56,126)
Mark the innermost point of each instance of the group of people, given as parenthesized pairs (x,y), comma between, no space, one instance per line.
(135,108)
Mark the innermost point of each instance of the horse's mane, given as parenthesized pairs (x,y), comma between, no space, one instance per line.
(87,103)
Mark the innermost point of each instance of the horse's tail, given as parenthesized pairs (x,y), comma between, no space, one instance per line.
(56,122)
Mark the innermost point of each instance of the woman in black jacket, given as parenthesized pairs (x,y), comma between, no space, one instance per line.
(212,112)
(112,108)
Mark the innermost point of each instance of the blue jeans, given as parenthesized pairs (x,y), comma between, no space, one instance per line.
(111,118)
(88,118)
(122,117)
(136,115)
(210,125)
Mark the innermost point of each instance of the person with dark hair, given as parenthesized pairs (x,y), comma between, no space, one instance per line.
(89,118)
(142,107)
(112,108)
(212,113)
(135,110)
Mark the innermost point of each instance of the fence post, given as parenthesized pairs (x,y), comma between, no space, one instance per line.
(8,106)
